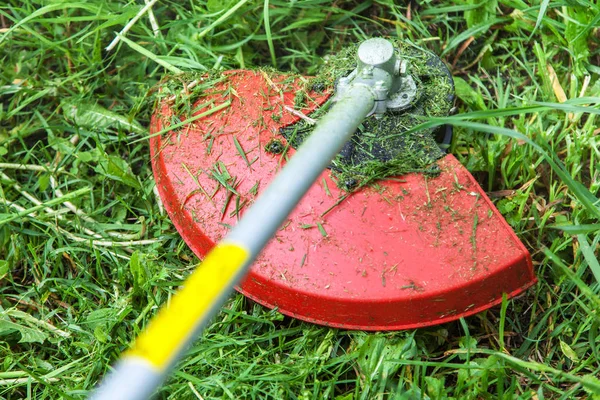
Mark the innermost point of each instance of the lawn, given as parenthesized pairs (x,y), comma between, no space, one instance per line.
(87,254)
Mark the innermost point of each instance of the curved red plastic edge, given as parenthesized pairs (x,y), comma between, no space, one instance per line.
(406,253)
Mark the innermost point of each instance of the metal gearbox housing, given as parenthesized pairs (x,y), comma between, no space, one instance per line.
(380,68)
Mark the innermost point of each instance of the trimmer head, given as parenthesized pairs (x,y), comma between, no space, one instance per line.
(410,251)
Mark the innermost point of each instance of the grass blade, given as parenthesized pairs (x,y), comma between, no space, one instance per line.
(222,18)
(187,121)
(127,27)
(540,17)
(588,254)
(585,289)
(47,9)
(577,229)
(49,203)
(150,55)
(268,32)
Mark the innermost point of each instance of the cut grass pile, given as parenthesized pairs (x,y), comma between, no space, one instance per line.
(87,255)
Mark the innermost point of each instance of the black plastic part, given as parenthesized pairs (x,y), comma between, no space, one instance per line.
(444,137)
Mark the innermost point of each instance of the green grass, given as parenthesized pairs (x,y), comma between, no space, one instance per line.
(79,278)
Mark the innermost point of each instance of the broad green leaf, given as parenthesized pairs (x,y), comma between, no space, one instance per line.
(435,387)
(60,144)
(97,118)
(100,334)
(4,267)
(484,11)
(137,269)
(116,168)
(101,317)
(44,181)
(218,6)
(28,335)
(506,205)
(569,352)
(467,343)
(94,155)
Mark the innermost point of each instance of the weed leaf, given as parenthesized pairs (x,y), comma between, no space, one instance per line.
(97,118)
(28,335)
(114,167)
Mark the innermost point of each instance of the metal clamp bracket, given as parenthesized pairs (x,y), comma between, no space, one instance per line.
(384,73)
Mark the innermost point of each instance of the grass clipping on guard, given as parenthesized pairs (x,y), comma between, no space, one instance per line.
(381,147)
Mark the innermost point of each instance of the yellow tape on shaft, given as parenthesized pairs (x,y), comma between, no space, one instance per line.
(172,327)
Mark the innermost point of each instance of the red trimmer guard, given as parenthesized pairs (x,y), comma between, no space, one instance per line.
(409,252)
